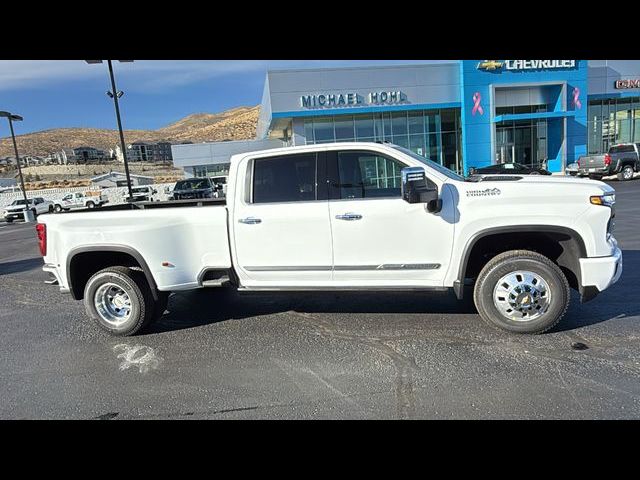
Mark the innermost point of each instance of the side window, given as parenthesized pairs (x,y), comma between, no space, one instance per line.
(289,178)
(368,175)
(67,197)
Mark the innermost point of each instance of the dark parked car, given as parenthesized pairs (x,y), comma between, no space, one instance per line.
(508,168)
(193,188)
(622,160)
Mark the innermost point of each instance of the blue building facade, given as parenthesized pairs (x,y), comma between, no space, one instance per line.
(461,114)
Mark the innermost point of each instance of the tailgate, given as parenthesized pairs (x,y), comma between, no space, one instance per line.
(592,161)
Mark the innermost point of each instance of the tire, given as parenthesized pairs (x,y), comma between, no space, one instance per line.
(91,205)
(595,177)
(50,208)
(134,285)
(626,173)
(57,208)
(534,173)
(500,275)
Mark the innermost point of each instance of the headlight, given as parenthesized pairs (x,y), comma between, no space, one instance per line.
(607,200)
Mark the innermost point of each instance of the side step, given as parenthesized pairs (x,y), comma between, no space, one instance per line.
(218,282)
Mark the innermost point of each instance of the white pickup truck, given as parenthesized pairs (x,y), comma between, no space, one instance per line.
(37,205)
(345,216)
(80,200)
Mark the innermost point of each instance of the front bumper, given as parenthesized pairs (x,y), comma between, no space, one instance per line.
(601,272)
(14,215)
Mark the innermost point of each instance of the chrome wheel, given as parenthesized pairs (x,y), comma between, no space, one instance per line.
(522,296)
(627,173)
(112,304)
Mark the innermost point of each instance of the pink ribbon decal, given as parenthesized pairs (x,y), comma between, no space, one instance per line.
(476,104)
(576,98)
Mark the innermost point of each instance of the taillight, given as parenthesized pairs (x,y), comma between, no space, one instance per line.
(578,163)
(607,159)
(41,229)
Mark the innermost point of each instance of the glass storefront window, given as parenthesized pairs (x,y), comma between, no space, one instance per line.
(399,123)
(344,128)
(364,126)
(421,131)
(612,121)
(323,130)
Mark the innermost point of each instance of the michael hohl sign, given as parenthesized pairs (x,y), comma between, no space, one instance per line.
(352,99)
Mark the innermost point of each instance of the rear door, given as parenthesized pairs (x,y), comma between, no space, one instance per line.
(378,238)
(280,218)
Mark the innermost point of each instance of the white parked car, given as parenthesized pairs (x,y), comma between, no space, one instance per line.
(347,216)
(80,200)
(37,205)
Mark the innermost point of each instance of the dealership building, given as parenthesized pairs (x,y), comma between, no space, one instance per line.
(461,114)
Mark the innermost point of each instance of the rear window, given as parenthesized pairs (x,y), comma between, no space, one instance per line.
(193,184)
(622,149)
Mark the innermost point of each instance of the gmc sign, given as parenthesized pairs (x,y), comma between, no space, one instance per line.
(626,84)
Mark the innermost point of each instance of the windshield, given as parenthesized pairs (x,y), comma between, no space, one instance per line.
(19,202)
(192,184)
(139,190)
(436,166)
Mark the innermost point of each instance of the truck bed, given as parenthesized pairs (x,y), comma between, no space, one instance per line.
(208,202)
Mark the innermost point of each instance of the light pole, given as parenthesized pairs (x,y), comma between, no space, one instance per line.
(115,94)
(11,117)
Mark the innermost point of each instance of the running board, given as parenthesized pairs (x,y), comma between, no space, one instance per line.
(344,289)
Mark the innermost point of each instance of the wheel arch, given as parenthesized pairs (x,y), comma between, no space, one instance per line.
(571,243)
(98,257)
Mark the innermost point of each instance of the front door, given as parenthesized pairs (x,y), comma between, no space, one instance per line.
(378,238)
(282,232)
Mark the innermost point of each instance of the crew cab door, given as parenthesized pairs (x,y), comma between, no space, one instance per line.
(281,228)
(378,238)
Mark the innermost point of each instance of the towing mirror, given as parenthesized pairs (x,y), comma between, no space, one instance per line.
(417,188)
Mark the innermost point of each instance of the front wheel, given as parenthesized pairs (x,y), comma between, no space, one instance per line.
(626,173)
(57,208)
(119,300)
(522,292)
(91,205)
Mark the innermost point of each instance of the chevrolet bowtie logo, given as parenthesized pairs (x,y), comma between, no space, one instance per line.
(490,65)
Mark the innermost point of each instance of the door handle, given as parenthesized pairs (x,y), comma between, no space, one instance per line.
(349,216)
(250,221)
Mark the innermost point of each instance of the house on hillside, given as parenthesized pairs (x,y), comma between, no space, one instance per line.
(119,179)
(82,155)
(159,152)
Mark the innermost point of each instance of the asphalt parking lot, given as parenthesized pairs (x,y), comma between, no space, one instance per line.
(218,355)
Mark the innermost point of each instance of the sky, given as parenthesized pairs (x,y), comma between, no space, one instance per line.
(71,93)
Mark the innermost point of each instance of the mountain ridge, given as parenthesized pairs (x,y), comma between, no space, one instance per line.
(237,123)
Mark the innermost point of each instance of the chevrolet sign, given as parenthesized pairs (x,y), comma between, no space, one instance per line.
(518,65)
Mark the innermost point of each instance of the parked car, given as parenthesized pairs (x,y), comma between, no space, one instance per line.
(142,194)
(193,188)
(572,169)
(316,217)
(621,160)
(80,200)
(37,205)
(508,168)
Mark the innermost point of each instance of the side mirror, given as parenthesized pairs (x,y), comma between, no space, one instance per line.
(417,188)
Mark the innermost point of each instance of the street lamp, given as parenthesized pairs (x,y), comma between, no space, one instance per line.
(17,118)
(115,94)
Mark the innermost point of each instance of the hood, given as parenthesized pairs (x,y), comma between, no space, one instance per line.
(529,191)
(14,208)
